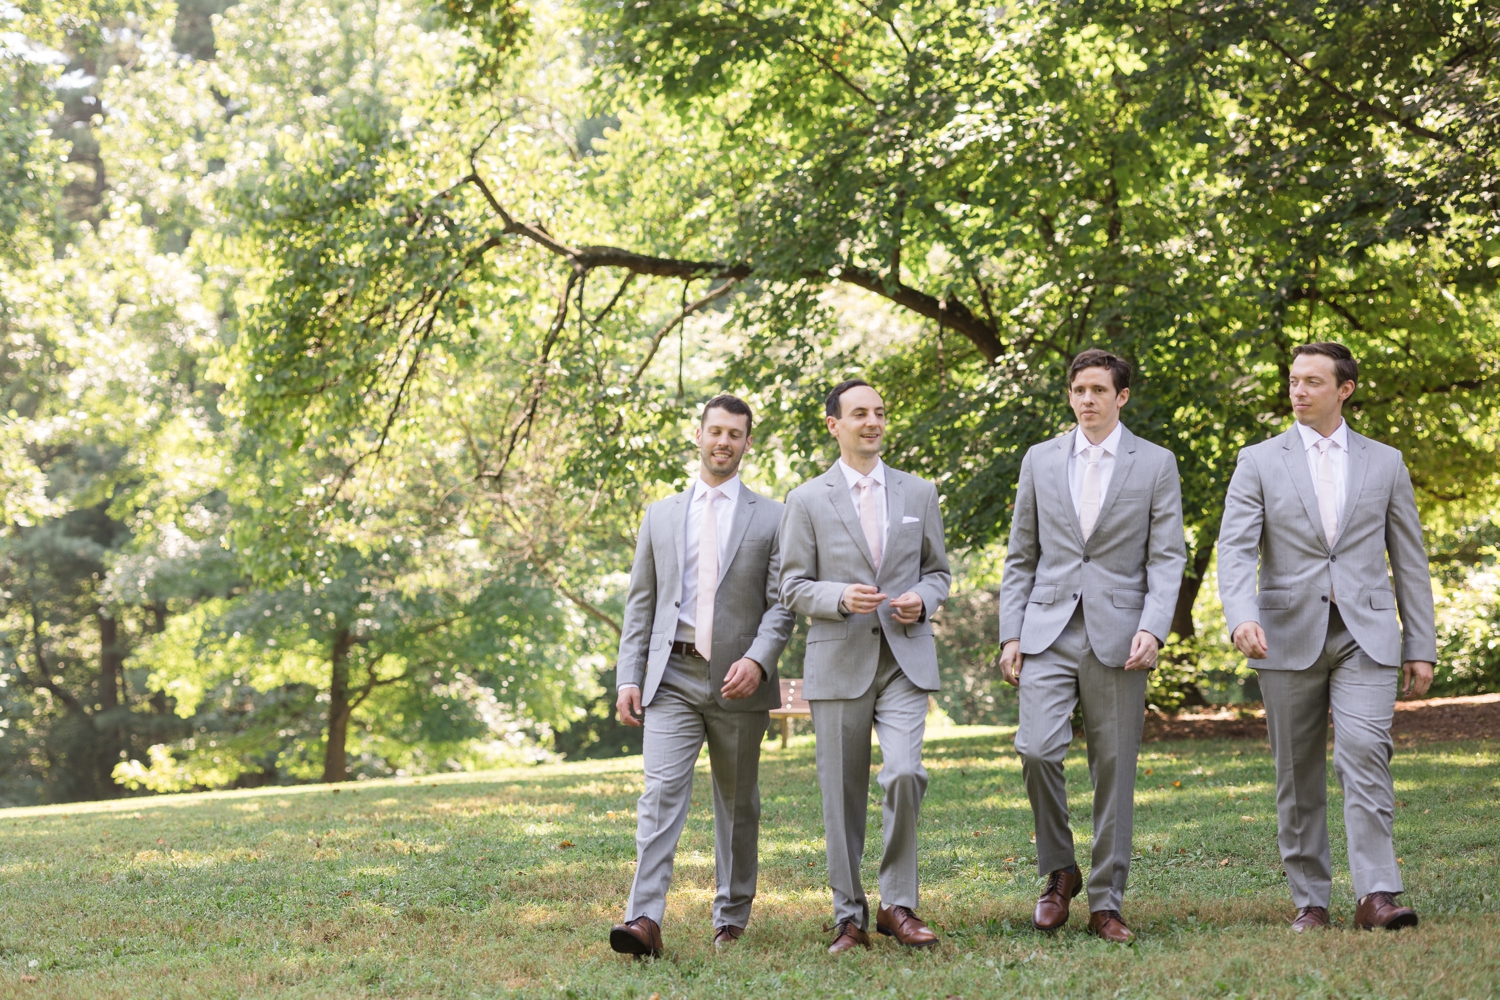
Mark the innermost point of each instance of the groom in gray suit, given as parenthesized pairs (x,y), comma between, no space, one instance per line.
(1310,522)
(850,537)
(1091,577)
(703,631)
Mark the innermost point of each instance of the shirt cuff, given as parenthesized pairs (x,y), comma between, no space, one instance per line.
(628,684)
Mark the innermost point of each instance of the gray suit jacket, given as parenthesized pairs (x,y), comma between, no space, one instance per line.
(1128,573)
(748,619)
(824,550)
(1271,522)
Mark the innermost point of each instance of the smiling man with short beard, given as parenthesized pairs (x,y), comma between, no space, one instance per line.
(703,631)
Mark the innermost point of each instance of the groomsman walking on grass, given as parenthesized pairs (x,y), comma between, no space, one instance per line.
(1312,520)
(703,631)
(851,537)
(1091,577)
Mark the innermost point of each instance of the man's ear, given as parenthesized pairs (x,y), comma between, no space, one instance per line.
(698,434)
(1124,395)
(831,422)
(1344,395)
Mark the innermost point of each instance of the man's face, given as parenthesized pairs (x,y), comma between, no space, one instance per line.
(722,439)
(860,426)
(1317,396)
(1095,402)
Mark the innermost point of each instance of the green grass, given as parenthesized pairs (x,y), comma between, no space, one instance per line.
(460,886)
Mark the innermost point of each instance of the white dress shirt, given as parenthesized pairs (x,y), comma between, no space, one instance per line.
(1081,444)
(724,515)
(852,478)
(1339,452)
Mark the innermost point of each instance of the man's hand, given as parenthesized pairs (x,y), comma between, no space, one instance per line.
(1010,662)
(907,608)
(1143,650)
(861,598)
(629,706)
(742,680)
(1250,639)
(1418,677)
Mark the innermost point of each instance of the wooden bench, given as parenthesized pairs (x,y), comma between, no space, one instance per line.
(793,706)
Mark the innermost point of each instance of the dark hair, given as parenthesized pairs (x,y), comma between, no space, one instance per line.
(1119,368)
(833,405)
(1345,368)
(729,404)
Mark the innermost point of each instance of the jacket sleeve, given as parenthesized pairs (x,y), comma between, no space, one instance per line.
(801,591)
(640,612)
(776,624)
(1239,543)
(1166,552)
(936,578)
(1409,569)
(1021,556)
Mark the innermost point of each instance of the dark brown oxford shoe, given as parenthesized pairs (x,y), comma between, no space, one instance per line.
(905,926)
(1109,925)
(847,937)
(727,936)
(640,937)
(1052,909)
(1380,909)
(1310,918)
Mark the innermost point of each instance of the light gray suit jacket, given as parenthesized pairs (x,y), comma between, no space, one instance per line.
(748,618)
(1271,522)
(824,550)
(1128,573)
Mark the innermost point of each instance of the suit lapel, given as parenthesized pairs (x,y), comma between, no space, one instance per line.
(744,512)
(1124,462)
(1354,480)
(838,490)
(1296,466)
(678,523)
(1062,498)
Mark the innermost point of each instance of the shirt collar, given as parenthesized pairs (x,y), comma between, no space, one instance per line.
(1310,437)
(852,476)
(730,489)
(1111,444)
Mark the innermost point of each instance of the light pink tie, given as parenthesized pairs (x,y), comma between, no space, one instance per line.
(1328,500)
(869,517)
(708,577)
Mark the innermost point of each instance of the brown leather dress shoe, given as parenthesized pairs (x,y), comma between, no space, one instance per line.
(727,936)
(905,926)
(847,937)
(640,937)
(1310,918)
(1109,925)
(1052,909)
(1380,909)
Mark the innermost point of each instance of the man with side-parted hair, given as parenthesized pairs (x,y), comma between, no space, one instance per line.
(1090,584)
(703,631)
(1320,546)
(851,537)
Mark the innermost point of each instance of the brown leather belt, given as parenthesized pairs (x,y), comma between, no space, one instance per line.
(686,649)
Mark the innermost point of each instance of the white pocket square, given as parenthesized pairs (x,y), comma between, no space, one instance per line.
(907,519)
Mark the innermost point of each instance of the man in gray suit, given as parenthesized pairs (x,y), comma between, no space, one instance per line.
(1318,511)
(1091,577)
(703,631)
(851,536)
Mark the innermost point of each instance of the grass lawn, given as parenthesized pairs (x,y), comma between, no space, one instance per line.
(506,884)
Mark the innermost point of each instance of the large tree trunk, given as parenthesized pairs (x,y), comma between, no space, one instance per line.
(334,764)
(111,661)
(1187,594)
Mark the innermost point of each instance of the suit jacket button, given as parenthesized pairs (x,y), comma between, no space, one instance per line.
(676,604)
(1333,558)
(1074,597)
(1325,598)
(875,630)
(1085,558)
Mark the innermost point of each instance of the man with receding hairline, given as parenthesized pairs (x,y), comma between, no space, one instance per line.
(1320,546)
(703,631)
(851,538)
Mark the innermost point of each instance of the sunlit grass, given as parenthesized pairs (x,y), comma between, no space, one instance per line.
(505,884)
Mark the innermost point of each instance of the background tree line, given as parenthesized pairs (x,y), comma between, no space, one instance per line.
(344,343)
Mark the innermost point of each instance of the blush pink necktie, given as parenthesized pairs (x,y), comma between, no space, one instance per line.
(708,577)
(869,517)
(1328,500)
